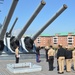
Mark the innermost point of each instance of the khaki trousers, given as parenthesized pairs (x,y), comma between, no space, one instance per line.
(68,65)
(73,62)
(61,64)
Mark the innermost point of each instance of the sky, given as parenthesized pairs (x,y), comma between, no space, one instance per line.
(25,8)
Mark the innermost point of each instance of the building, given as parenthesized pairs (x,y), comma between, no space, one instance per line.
(43,40)
(66,39)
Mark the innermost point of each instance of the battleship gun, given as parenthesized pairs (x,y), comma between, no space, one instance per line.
(14,41)
(30,40)
(6,23)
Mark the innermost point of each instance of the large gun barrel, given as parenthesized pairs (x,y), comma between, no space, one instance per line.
(4,20)
(8,34)
(13,25)
(30,40)
(49,22)
(7,20)
(38,9)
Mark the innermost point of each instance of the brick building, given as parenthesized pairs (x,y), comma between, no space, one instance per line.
(66,39)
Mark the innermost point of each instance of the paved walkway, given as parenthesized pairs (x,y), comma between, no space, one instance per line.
(43,63)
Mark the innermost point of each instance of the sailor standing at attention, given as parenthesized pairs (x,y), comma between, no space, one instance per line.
(17,54)
(68,56)
(61,59)
(73,57)
(51,54)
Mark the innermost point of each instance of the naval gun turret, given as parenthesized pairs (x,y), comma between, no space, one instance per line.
(14,41)
(30,40)
(5,25)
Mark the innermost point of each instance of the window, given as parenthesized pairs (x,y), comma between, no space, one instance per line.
(55,40)
(70,40)
(38,40)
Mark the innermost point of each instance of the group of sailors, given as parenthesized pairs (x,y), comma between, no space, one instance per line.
(65,58)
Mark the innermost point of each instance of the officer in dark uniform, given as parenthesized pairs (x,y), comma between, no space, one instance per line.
(68,57)
(46,51)
(57,59)
(66,48)
(61,58)
(38,54)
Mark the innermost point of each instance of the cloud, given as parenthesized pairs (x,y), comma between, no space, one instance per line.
(16,32)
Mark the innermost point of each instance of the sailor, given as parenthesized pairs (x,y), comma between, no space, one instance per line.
(17,54)
(68,57)
(73,57)
(46,51)
(38,54)
(66,48)
(51,54)
(61,58)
